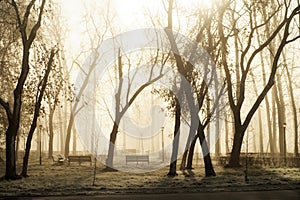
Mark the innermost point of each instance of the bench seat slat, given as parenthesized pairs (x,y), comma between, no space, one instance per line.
(79,159)
(137,158)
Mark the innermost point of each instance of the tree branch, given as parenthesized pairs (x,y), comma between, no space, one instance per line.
(5,105)
(292,40)
(37,25)
(274,69)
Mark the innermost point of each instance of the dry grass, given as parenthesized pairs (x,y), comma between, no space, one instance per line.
(50,179)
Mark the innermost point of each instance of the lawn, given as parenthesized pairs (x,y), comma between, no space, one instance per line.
(49,179)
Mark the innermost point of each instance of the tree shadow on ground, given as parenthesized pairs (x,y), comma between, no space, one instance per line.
(234,179)
(51,179)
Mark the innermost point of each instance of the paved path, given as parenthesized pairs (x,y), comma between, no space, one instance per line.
(253,195)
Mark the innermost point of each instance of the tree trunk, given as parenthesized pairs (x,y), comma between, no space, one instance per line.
(260,129)
(234,160)
(36,114)
(226,134)
(274,119)
(68,136)
(10,171)
(261,137)
(172,170)
(27,150)
(74,141)
(51,134)
(282,113)
(17,148)
(183,160)
(111,149)
(294,110)
(209,169)
(280,121)
(189,164)
(61,137)
(262,61)
(217,134)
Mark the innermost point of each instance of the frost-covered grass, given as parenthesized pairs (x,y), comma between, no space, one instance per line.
(50,179)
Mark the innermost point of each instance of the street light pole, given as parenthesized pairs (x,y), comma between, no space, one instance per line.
(284,142)
(40,144)
(162,144)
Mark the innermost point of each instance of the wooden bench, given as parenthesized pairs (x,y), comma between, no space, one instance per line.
(79,159)
(58,159)
(137,158)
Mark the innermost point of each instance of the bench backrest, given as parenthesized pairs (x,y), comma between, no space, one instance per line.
(137,158)
(79,158)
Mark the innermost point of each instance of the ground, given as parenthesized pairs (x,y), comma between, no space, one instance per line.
(50,179)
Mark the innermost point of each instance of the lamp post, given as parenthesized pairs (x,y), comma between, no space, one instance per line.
(40,144)
(284,143)
(162,144)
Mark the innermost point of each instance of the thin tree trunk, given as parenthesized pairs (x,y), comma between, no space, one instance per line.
(217,130)
(61,133)
(68,136)
(262,61)
(226,134)
(36,114)
(274,119)
(184,157)
(280,118)
(74,141)
(209,169)
(282,113)
(172,169)
(260,127)
(111,149)
(51,134)
(189,164)
(294,110)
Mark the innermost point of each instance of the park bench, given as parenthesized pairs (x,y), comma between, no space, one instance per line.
(137,158)
(58,159)
(79,159)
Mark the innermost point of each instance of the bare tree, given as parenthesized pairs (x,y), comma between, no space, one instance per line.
(245,63)
(122,107)
(39,97)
